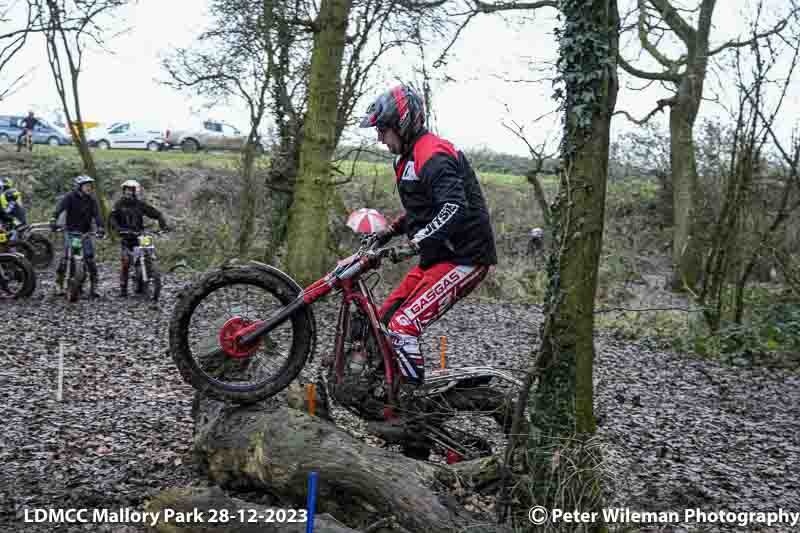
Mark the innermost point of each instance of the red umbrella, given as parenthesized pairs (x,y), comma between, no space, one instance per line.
(366,220)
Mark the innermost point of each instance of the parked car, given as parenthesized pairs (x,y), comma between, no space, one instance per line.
(8,129)
(43,133)
(129,134)
(210,135)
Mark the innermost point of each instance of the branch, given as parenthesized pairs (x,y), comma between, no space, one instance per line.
(651,48)
(441,59)
(671,16)
(660,105)
(779,27)
(479,7)
(645,310)
(486,7)
(669,76)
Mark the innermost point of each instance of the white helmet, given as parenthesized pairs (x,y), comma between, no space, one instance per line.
(132,184)
(537,233)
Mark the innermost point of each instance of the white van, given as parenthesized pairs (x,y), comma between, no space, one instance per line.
(128,134)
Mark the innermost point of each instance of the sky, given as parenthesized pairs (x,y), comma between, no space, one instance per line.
(470,111)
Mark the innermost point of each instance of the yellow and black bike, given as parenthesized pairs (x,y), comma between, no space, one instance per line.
(17,277)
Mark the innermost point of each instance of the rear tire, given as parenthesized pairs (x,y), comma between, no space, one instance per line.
(53,141)
(103,145)
(18,267)
(42,248)
(181,328)
(472,421)
(75,282)
(153,146)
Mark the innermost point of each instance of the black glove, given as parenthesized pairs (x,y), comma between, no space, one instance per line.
(54,225)
(406,251)
(383,237)
(100,234)
(379,238)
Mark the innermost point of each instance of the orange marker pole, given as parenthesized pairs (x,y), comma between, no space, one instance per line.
(312,397)
(444,349)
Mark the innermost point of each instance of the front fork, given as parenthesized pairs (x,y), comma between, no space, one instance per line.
(143,265)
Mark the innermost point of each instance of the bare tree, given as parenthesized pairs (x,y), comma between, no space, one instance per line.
(11,42)
(753,100)
(372,28)
(70,26)
(279,36)
(308,216)
(245,56)
(540,154)
(685,77)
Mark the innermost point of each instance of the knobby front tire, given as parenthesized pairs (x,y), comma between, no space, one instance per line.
(199,316)
(154,286)
(75,282)
(22,274)
(43,250)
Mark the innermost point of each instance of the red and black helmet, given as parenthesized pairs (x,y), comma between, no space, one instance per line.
(400,109)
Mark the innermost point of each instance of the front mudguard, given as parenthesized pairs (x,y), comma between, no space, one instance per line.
(15,254)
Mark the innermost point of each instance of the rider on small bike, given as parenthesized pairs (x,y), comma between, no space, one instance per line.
(446,220)
(11,210)
(128,215)
(27,124)
(81,208)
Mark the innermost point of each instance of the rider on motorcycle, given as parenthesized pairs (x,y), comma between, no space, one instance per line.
(27,124)
(81,208)
(128,215)
(11,209)
(446,220)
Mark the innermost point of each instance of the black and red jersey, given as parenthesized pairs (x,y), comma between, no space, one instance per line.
(445,211)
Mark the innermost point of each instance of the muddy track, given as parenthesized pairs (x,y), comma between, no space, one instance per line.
(679,432)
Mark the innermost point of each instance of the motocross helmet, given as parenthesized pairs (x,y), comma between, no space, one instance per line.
(400,109)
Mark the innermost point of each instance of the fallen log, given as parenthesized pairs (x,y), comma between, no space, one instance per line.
(246,517)
(274,450)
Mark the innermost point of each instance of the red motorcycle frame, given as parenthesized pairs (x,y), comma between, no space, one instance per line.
(242,340)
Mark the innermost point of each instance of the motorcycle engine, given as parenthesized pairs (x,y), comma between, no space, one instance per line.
(361,389)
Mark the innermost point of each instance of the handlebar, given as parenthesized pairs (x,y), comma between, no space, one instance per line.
(144,232)
(382,253)
(61,229)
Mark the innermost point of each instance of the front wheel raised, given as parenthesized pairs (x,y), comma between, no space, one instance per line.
(207,315)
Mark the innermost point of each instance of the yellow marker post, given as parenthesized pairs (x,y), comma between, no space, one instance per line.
(312,397)
(444,349)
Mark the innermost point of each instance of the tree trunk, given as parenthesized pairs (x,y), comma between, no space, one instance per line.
(244,517)
(562,418)
(541,198)
(258,448)
(308,216)
(248,196)
(687,260)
